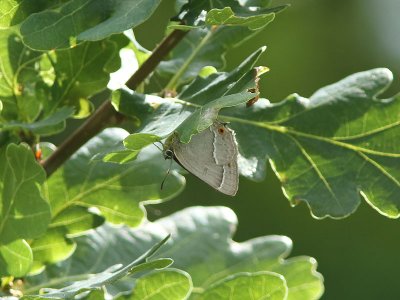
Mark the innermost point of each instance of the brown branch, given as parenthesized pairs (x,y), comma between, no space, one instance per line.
(106,114)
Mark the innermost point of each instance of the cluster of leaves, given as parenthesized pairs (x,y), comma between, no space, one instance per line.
(76,226)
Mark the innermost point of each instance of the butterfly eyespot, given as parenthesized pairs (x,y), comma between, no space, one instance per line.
(221,130)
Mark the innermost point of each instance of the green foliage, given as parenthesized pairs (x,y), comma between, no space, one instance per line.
(118,192)
(15,258)
(170,284)
(70,232)
(226,16)
(83,20)
(200,245)
(261,285)
(108,276)
(330,164)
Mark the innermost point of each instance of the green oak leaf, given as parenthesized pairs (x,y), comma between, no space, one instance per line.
(204,116)
(199,48)
(169,284)
(15,258)
(200,244)
(117,191)
(13,12)
(22,90)
(85,192)
(138,141)
(24,213)
(76,220)
(109,276)
(82,72)
(204,97)
(219,11)
(50,125)
(83,20)
(226,16)
(260,285)
(130,148)
(51,248)
(326,149)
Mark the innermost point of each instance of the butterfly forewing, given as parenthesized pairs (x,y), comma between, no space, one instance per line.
(211,155)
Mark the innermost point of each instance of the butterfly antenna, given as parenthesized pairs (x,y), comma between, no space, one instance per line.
(166,175)
(161,149)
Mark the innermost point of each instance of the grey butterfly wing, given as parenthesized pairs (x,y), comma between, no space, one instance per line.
(204,157)
(225,154)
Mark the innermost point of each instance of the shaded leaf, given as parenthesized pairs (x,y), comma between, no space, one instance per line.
(15,258)
(260,285)
(83,20)
(82,72)
(166,284)
(108,276)
(115,190)
(161,116)
(52,124)
(200,47)
(24,214)
(201,245)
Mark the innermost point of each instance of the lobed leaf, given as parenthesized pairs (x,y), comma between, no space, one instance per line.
(226,16)
(199,48)
(260,285)
(200,244)
(82,72)
(326,149)
(169,284)
(108,276)
(84,189)
(15,258)
(192,12)
(22,90)
(162,116)
(50,125)
(24,213)
(83,20)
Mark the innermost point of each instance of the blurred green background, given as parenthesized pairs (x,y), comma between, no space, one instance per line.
(312,44)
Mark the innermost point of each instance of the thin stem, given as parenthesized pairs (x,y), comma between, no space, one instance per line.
(106,115)
(174,80)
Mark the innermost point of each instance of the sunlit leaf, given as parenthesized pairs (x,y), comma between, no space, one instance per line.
(226,16)
(260,285)
(166,284)
(24,214)
(21,88)
(15,258)
(83,20)
(326,149)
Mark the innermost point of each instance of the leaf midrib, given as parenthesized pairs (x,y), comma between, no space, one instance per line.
(287,130)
